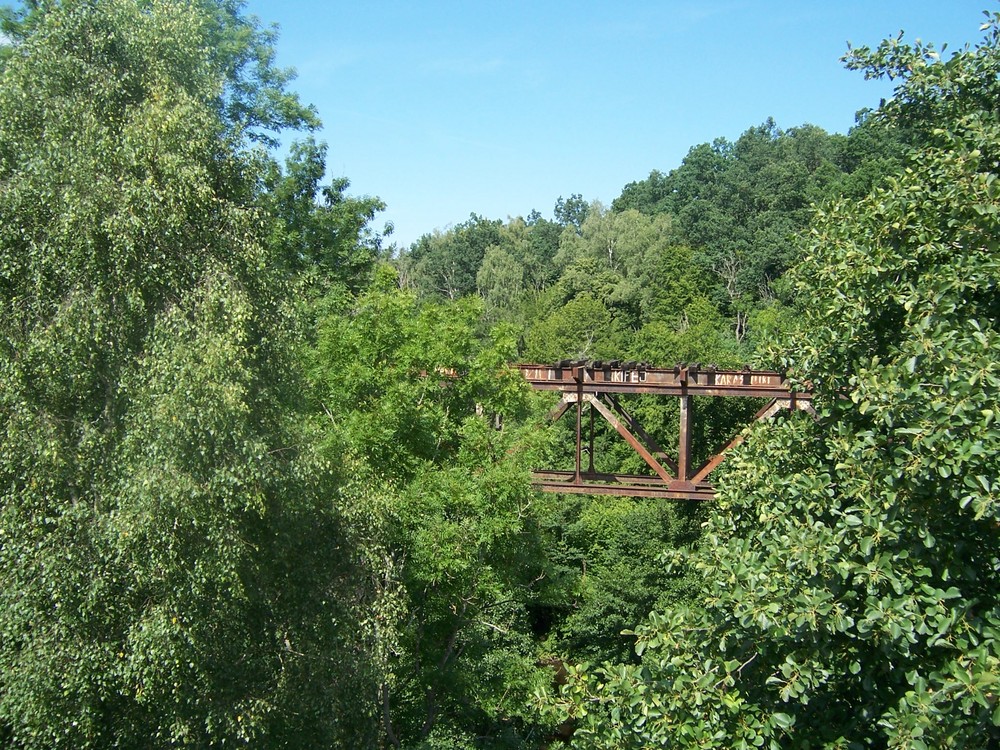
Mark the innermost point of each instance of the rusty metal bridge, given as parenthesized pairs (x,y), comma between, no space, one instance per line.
(596,386)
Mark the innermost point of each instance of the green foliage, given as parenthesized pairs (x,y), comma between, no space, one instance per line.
(250,94)
(226,543)
(322,235)
(398,378)
(428,414)
(583,328)
(200,546)
(500,282)
(698,334)
(255,99)
(170,559)
(739,204)
(572,211)
(444,265)
(603,570)
(617,257)
(851,565)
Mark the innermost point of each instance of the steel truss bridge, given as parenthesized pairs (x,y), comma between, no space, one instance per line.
(596,386)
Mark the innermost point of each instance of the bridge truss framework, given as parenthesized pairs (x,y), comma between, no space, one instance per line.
(597,385)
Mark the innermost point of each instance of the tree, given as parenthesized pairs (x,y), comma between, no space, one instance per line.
(444,265)
(542,245)
(625,259)
(251,97)
(583,328)
(322,234)
(571,212)
(170,566)
(427,416)
(739,204)
(852,563)
(500,281)
(603,571)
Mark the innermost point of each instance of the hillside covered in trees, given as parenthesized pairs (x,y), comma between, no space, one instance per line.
(265,477)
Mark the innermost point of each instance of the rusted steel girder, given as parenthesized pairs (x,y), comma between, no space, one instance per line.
(596,386)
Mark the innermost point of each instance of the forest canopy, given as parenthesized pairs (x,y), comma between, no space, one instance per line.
(265,477)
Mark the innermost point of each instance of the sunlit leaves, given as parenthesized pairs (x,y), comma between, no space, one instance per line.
(427,412)
(169,544)
(851,564)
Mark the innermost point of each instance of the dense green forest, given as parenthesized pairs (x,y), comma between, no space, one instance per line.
(265,476)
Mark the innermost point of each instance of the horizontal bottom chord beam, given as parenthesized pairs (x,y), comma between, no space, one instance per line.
(630,485)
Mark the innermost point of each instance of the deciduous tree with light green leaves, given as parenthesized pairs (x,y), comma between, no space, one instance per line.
(851,564)
(170,561)
(432,422)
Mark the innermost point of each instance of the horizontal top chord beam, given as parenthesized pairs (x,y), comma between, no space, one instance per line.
(681,380)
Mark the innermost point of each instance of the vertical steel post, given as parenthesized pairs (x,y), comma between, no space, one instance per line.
(590,461)
(684,444)
(579,422)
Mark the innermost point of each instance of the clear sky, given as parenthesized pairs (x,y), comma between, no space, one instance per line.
(443,109)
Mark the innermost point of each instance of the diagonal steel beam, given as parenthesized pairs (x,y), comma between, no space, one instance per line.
(637,428)
(766,412)
(631,439)
(563,406)
(709,466)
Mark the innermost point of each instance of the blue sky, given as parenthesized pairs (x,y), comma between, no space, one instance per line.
(447,108)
